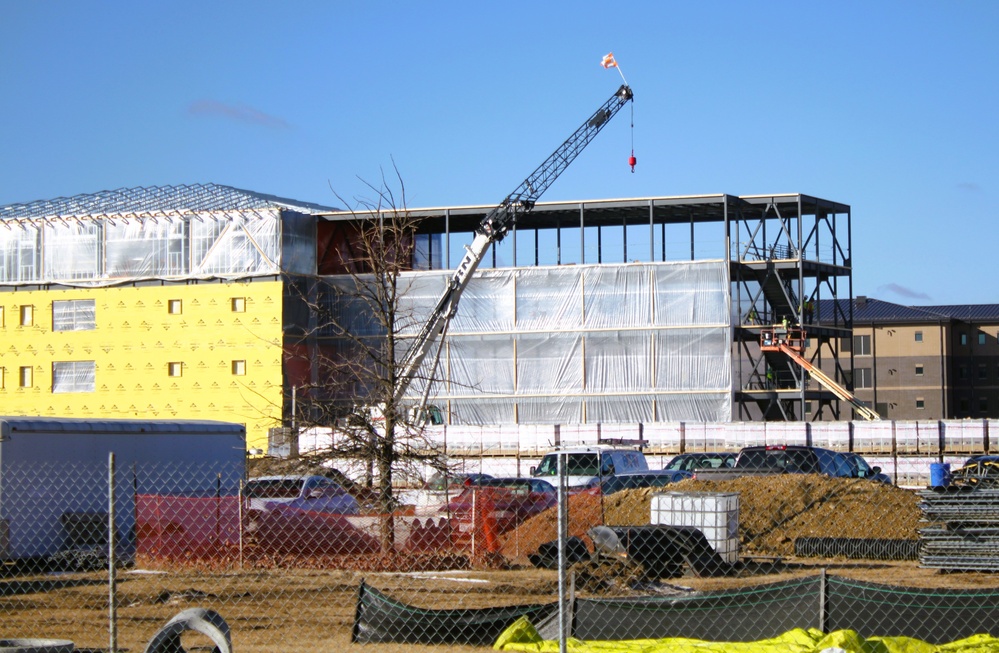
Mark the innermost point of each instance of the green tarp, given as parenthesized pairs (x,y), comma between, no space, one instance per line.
(746,614)
(379,618)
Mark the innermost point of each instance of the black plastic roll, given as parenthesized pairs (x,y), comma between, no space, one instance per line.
(857,548)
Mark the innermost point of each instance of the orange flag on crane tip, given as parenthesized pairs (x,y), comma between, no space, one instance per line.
(608,61)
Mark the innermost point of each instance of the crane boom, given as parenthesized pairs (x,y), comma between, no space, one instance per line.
(495,225)
(791,341)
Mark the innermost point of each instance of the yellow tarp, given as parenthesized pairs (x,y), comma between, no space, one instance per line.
(522,636)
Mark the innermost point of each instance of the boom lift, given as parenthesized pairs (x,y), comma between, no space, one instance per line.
(494,227)
(791,341)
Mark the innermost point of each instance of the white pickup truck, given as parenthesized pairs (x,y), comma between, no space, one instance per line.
(586,466)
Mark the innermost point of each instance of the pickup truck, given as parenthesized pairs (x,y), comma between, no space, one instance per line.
(587,466)
(794,459)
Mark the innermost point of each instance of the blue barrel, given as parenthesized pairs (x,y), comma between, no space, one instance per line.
(939,474)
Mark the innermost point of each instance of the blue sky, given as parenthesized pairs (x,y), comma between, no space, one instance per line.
(889,107)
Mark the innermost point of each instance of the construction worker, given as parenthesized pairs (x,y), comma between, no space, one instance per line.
(809,310)
(751,318)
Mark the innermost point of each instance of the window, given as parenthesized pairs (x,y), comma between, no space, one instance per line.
(963,405)
(920,403)
(175,369)
(862,378)
(1,316)
(983,405)
(919,336)
(24,377)
(861,345)
(982,372)
(27,315)
(73,376)
(175,307)
(919,370)
(239,304)
(981,338)
(964,338)
(73,315)
(428,251)
(238,368)
(962,371)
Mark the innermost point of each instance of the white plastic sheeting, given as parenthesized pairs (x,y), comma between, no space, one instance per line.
(103,250)
(582,344)
(73,376)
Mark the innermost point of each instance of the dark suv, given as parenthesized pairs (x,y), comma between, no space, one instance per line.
(795,459)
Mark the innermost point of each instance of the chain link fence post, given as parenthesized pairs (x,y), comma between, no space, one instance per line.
(112,584)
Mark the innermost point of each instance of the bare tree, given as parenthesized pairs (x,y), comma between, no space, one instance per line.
(353,325)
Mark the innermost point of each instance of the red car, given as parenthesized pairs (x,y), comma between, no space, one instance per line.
(509,501)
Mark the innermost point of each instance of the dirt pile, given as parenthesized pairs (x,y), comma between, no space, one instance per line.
(584,512)
(773,512)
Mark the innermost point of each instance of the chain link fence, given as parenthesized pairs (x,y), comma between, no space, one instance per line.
(297,563)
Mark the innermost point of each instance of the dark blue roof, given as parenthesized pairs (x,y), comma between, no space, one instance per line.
(870,310)
(968,312)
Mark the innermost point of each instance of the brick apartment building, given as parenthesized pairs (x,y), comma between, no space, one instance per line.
(925,362)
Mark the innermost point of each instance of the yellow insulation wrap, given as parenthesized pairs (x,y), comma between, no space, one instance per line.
(522,636)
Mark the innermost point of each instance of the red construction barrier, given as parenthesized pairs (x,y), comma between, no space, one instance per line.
(183,527)
(307,533)
(430,536)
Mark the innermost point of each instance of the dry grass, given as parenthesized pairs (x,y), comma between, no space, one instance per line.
(282,607)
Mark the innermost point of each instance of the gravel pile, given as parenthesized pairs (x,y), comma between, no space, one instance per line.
(773,512)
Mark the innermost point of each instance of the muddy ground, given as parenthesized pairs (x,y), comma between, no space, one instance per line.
(272,603)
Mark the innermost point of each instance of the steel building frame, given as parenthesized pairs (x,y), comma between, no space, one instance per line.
(786,252)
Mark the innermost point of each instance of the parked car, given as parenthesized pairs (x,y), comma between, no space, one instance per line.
(981,459)
(688,462)
(303,515)
(586,466)
(513,500)
(633,480)
(792,459)
(861,469)
(438,490)
(314,493)
(980,470)
(441,482)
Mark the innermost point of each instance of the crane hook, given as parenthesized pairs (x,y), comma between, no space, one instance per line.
(632,160)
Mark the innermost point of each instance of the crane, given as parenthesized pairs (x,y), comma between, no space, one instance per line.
(495,226)
(791,341)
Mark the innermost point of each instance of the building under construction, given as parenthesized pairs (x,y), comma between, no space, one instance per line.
(176,303)
(639,310)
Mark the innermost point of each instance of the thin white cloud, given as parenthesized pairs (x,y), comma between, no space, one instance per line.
(239,113)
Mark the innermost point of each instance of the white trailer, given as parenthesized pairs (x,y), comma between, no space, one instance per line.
(54,476)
